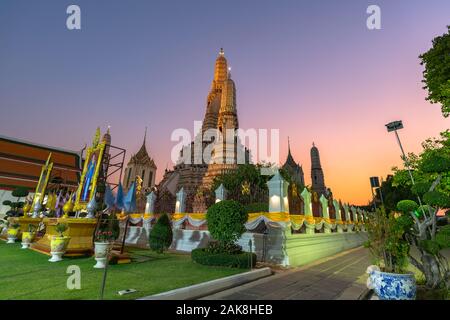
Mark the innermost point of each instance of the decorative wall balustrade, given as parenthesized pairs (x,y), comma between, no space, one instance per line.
(317,215)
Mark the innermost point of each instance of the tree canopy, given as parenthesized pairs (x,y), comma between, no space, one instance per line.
(431,168)
(437,72)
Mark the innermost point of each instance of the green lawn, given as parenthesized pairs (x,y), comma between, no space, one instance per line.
(26,274)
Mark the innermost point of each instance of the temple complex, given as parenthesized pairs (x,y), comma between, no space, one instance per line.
(197,175)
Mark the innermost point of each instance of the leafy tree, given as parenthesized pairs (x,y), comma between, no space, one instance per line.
(431,171)
(392,193)
(161,235)
(437,72)
(226,221)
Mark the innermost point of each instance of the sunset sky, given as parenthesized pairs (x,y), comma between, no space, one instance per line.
(309,68)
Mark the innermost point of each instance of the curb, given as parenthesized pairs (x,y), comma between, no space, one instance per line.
(210,287)
(366,294)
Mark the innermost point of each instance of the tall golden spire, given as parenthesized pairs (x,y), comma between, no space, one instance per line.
(221,70)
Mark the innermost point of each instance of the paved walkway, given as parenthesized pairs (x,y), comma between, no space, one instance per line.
(334,278)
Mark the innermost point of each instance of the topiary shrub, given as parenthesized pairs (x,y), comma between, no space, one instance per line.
(20,192)
(240,260)
(161,235)
(226,221)
(407,206)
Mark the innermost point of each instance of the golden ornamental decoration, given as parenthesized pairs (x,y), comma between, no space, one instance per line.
(96,138)
(315,197)
(138,185)
(245,188)
(68,206)
(43,181)
(26,208)
(91,170)
(294,190)
(199,192)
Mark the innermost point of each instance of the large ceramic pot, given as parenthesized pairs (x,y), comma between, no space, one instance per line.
(393,286)
(101,254)
(12,235)
(27,239)
(58,246)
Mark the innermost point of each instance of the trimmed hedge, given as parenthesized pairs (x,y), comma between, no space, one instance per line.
(240,260)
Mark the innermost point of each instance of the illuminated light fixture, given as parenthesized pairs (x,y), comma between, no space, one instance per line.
(180,204)
(221,193)
(278,190)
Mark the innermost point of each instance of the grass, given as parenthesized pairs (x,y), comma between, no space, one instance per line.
(27,275)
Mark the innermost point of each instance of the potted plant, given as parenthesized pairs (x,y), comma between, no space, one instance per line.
(107,232)
(389,277)
(13,231)
(428,240)
(58,244)
(28,236)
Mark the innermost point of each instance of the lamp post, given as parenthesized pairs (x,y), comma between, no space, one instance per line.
(394,126)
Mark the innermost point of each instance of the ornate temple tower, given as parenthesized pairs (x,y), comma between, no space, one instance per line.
(225,151)
(194,178)
(294,169)
(318,181)
(213,101)
(142,165)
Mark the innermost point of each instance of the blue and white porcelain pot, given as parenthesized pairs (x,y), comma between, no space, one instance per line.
(392,286)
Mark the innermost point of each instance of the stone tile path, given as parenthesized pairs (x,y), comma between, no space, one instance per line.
(340,277)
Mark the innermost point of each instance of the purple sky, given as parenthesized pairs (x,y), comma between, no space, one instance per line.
(309,68)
